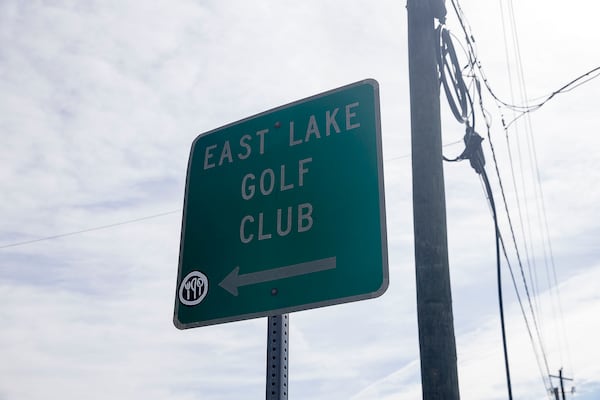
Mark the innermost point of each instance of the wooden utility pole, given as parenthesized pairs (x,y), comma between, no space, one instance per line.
(555,391)
(439,376)
(562,384)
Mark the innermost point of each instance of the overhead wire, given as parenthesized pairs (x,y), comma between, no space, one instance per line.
(140,219)
(499,282)
(147,217)
(542,220)
(533,167)
(472,152)
(409,154)
(520,112)
(473,62)
(525,108)
(524,236)
(95,228)
(514,240)
(573,84)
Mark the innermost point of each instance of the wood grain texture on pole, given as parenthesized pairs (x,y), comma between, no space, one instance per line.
(439,376)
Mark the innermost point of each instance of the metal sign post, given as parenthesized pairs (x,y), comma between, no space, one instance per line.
(277,357)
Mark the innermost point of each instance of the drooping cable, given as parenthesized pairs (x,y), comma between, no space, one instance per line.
(472,150)
(499,279)
(525,110)
(512,231)
(524,314)
(474,153)
(575,83)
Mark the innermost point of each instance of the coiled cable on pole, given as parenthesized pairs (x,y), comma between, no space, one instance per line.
(451,76)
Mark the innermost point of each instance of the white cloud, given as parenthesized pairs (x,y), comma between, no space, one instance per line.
(100,102)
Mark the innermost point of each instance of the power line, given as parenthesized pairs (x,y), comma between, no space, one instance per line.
(96,228)
(131,221)
(499,274)
(514,240)
(526,108)
(540,202)
(478,166)
(575,83)
(521,111)
(409,154)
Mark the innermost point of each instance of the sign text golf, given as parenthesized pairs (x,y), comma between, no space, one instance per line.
(284,211)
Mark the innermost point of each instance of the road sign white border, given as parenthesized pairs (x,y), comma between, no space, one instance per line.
(382,216)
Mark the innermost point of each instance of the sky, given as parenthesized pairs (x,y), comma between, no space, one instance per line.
(100,102)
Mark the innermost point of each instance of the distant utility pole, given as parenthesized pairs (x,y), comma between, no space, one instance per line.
(562,385)
(439,376)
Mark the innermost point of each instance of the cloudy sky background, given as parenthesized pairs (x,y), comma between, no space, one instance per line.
(99,104)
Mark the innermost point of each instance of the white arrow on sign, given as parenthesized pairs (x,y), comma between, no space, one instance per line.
(234,280)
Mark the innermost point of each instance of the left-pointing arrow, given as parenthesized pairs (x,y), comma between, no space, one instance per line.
(234,280)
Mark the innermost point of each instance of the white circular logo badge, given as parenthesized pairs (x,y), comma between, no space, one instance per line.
(193,288)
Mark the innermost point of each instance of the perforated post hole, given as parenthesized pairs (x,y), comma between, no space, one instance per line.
(277,357)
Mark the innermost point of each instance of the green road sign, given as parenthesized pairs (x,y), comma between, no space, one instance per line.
(285,211)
